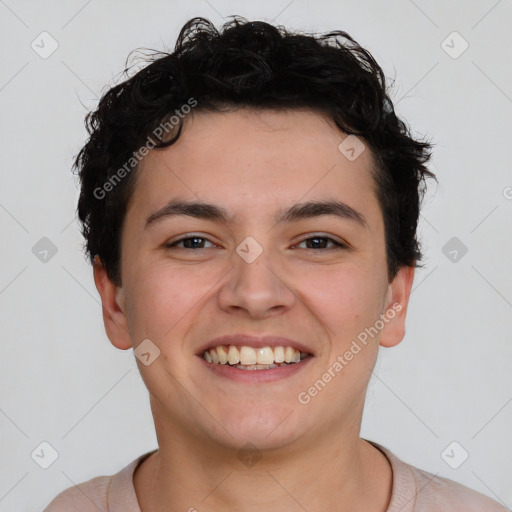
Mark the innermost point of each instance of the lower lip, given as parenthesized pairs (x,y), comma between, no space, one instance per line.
(274,374)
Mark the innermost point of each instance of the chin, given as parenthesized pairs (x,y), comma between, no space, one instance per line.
(264,426)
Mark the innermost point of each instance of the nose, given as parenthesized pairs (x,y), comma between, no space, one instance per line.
(257,288)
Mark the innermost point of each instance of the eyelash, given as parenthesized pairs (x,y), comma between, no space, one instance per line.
(337,245)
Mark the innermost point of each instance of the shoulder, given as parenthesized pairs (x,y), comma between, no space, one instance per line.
(114,493)
(417,490)
(84,497)
(439,493)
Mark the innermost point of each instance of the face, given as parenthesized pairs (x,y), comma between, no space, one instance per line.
(261,263)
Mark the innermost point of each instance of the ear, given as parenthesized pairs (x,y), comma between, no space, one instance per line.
(395,310)
(113,306)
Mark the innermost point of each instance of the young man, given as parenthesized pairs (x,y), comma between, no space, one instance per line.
(250,204)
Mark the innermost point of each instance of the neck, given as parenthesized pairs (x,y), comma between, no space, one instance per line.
(338,473)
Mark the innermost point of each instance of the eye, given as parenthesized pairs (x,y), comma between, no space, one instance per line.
(320,242)
(317,242)
(191,242)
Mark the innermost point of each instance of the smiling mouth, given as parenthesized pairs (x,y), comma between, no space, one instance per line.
(250,358)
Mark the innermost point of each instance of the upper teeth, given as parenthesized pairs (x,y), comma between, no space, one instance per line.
(234,355)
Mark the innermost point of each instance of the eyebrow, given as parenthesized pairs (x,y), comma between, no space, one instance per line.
(299,211)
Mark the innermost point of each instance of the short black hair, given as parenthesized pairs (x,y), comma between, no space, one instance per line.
(250,64)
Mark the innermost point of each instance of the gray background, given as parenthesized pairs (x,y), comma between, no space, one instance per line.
(449,380)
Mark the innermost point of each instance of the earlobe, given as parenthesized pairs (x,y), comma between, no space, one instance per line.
(113,307)
(397,301)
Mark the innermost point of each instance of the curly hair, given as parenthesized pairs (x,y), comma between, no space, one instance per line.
(257,65)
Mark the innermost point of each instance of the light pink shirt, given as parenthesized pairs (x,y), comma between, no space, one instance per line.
(413,490)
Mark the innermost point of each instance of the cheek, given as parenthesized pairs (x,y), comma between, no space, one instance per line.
(349,304)
(158,300)
(346,301)
(165,298)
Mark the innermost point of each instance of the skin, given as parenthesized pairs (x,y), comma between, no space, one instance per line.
(254,163)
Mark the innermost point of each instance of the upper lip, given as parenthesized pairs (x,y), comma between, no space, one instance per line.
(249,340)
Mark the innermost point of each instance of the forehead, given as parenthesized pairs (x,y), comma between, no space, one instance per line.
(256,161)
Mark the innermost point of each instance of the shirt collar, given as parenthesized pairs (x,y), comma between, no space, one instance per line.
(121,494)
(404,490)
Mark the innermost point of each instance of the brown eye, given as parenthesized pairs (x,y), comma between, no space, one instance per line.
(320,242)
(191,242)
